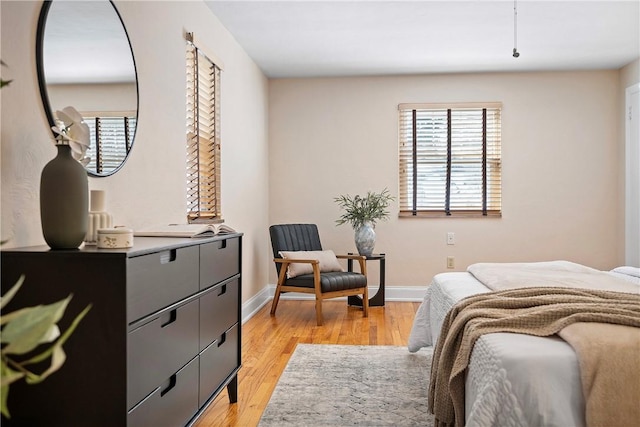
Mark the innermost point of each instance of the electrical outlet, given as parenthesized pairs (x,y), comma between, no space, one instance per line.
(451,262)
(451,238)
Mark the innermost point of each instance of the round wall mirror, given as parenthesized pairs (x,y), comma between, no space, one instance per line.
(84,60)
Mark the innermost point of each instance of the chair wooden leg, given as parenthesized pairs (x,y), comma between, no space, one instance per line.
(319,319)
(276,295)
(365,302)
(276,299)
(318,293)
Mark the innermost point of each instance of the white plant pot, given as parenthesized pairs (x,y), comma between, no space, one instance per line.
(365,238)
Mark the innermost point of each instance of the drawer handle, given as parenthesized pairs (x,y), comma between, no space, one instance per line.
(173,315)
(223,244)
(172,384)
(222,339)
(223,289)
(168,256)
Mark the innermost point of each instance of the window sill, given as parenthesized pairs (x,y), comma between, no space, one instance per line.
(454,214)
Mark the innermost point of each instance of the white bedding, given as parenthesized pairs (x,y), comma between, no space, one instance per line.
(512,379)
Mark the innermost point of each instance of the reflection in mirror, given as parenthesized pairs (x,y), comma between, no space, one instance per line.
(85,60)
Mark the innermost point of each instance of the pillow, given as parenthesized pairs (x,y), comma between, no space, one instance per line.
(327,259)
(630,274)
(629,271)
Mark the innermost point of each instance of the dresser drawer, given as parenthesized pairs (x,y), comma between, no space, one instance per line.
(218,311)
(159,279)
(219,260)
(172,404)
(217,362)
(159,348)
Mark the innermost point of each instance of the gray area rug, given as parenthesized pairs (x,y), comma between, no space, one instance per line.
(351,385)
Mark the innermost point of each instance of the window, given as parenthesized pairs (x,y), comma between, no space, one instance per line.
(111,136)
(203,137)
(450,163)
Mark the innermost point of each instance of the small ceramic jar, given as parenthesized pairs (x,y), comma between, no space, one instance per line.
(115,238)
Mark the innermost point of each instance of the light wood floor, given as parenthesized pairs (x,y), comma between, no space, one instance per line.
(268,342)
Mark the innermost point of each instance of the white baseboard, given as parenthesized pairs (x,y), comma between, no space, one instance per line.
(255,303)
(392,293)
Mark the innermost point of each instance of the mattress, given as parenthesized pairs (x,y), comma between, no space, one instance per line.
(512,379)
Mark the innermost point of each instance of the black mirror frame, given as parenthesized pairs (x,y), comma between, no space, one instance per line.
(42,84)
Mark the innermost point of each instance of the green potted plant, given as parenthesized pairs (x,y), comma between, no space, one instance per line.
(31,335)
(362,212)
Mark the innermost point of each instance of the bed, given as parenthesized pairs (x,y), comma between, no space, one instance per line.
(499,390)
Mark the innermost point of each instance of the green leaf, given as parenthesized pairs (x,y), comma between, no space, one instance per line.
(4,395)
(52,334)
(26,331)
(65,336)
(58,358)
(8,376)
(4,300)
(6,318)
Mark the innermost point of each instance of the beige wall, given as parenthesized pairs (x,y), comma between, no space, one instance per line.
(150,188)
(561,189)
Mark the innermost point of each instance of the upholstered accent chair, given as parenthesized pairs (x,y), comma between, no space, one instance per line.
(315,273)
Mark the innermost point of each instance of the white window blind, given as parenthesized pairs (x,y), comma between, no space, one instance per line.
(111,137)
(203,137)
(450,159)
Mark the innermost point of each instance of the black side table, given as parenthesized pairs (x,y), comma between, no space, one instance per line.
(378,299)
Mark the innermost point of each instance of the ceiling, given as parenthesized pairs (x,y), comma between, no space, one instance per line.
(359,37)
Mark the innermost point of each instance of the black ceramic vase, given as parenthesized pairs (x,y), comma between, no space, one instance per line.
(64,201)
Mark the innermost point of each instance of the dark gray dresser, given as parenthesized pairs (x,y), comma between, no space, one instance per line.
(162,339)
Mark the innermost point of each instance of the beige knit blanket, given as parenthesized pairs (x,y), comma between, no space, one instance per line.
(609,359)
(535,311)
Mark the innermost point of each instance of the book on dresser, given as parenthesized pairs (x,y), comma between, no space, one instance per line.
(185,230)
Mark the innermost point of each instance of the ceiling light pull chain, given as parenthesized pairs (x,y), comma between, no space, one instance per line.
(515,29)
